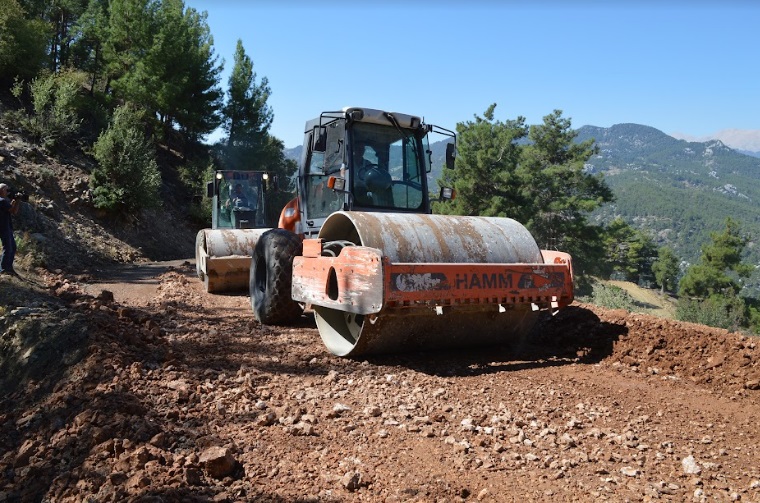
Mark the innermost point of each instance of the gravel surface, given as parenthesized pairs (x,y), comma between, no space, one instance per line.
(154,390)
(133,384)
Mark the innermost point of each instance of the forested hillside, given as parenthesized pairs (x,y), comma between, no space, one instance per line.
(678,191)
(136,85)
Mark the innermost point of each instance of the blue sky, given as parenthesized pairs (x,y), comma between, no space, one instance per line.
(681,67)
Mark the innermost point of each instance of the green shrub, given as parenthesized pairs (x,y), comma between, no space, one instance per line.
(722,312)
(127,177)
(54,115)
(611,297)
(28,253)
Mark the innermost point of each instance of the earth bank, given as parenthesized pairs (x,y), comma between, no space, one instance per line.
(132,384)
(179,395)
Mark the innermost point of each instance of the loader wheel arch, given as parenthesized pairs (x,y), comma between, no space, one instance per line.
(271,277)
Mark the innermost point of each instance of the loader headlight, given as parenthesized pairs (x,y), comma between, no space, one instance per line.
(447,194)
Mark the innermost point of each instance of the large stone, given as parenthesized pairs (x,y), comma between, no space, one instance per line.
(218,462)
(690,466)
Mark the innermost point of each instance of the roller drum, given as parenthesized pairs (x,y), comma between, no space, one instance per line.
(415,238)
(223,257)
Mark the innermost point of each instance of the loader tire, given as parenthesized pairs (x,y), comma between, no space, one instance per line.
(271,277)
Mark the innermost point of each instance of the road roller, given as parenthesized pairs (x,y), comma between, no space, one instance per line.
(360,246)
(223,252)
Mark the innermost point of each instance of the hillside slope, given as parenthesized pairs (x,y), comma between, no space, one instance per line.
(679,191)
(62,230)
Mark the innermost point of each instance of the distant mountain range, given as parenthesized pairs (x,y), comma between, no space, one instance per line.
(746,141)
(679,191)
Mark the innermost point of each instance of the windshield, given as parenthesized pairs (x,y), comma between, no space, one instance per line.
(239,204)
(387,167)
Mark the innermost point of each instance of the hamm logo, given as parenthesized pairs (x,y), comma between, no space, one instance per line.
(485,280)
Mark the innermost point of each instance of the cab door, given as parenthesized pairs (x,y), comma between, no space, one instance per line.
(318,199)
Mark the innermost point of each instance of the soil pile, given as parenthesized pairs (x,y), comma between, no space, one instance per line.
(184,397)
(135,385)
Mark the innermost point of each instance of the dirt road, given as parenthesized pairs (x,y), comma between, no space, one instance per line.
(176,395)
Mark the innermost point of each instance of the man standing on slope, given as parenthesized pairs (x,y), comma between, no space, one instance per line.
(8,207)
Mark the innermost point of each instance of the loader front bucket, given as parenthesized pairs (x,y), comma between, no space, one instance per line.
(389,282)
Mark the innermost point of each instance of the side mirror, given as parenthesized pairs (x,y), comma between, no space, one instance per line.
(319,143)
(451,155)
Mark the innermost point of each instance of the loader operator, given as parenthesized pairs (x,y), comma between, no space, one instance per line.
(238,198)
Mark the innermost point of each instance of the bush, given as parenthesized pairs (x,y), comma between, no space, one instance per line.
(54,116)
(611,297)
(28,252)
(721,312)
(127,177)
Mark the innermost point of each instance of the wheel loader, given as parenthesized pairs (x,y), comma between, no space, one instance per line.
(360,246)
(223,252)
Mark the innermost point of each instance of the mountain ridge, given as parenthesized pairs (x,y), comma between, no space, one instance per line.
(676,190)
(743,140)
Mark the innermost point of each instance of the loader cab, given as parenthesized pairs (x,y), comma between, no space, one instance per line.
(378,160)
(237,199)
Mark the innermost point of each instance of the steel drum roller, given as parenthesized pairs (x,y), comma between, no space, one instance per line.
(415,238)
(223,257)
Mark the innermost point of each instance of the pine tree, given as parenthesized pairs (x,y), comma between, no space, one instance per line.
(560,192)
(710,289)
(485,177)
(22,43)
(191,97)
(630,252)
(247,116)
(90,34)
(666,270)
(131,26)
(721,256)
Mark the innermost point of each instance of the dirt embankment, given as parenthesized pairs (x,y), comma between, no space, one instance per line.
(156,391)
(177,395)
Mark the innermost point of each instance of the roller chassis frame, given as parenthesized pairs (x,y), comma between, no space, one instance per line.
(361,280)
